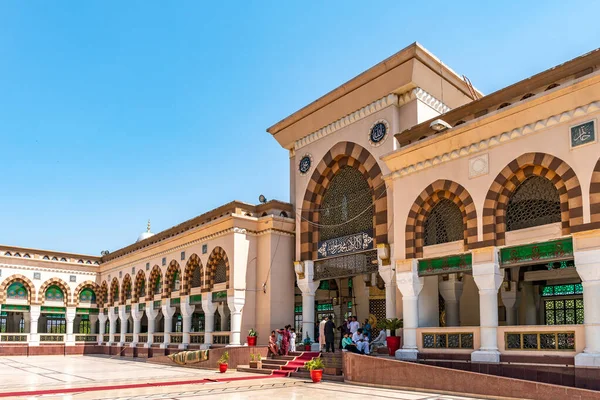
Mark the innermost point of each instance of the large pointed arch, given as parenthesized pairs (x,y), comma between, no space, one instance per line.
(216,256)
(140,281)
(194,263)
(595,194)
(31,299)
(508,180)
(126,285)
(114,291)
(103,298)
(339,156)
(64,286)
(427,200)
(155,274)
(172,270)
(93,286)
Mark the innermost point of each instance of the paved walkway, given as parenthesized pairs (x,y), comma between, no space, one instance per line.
(123,379)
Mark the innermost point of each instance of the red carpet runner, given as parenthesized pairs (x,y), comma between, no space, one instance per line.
(295,364)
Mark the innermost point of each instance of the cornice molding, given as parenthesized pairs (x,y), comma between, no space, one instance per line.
(378,105)
(496,140)
(46,269)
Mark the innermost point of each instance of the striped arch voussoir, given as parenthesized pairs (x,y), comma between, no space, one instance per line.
(595,194)
(341,155)
(122,292)
(531,164)
(93,286)
(140,278)
(168,281)
(61,284)
(154,274)
(31,298)
(216,256)
(114,289)
(103,295)
(192,263)
(422,206)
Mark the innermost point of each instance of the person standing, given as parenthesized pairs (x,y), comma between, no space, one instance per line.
(292,339)
(367,329)
(329,335)
(285,341)
(354,325)
(322,334)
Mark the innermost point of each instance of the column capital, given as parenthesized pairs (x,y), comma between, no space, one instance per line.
(486,269)
(383,254)
(451,290)
(587,264)
(123,314)
(34,312)
(151,313)
(236,303)
(186,309)
(70,314)
(167,310)
(208,306)
(112,315)
(407,278)
(136,313)
(388,274)
(307,284)
(102,318)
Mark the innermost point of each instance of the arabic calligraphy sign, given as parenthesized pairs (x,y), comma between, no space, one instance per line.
(583,134)
(347,244)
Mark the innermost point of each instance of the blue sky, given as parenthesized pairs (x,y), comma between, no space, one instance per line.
(114,112)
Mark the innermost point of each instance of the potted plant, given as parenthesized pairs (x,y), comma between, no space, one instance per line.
(223,362)
(255,360)
(252,335)
(393,341)
(315,367)
(307,343)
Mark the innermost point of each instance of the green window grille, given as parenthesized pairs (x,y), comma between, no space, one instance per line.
(324,285)
(563,311)
(325,307)
(562,290)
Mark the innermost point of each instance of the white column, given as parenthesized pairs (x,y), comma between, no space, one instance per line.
(93,318)
(168,313)
(102,322)
(112,330)
(451,290)
(308,286)
(387,273)
(511,297)
(224,313)
(151,313)
(187,312)
(34,316)
(410,285)
(124,317)
(236,305)
(209,309)
(26,322)
(529,299)
(70,317)
(488,277)
(587,264)
(137,315)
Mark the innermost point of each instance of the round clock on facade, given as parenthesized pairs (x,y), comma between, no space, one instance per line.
(378,132)
(305,163)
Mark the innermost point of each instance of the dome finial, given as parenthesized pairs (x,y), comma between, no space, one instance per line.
(148,227)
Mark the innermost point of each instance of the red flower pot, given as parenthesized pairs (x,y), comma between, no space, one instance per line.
(316,375)
(393,344)
(223,368)
(307,347)
(251,340)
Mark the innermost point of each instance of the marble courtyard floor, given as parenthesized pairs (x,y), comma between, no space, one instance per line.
(103,377)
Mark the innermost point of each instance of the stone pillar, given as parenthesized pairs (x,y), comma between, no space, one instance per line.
(167,312)
(93,318)
(102,318)
(410,285)
(305,274)
(529,299)
(236,305)
(137,315)
(387,273)
(112,317)
(224,313)
(209,309)
(151,313)
(587,264)
(26,322)
(488,277)
(511,297)
(34,316)
(451,290)
(70,317)
(187,311)
(124,317)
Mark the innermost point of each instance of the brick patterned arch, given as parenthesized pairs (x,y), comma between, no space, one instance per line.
(93,286)
(57,282)
(192,263)
(31,299)
(216,255)
(595,194)
(103,295)
(126,280)
(114,290)
(154,274)
(531,164)
(340,155)
(171,270)
(421,208)
(137,287)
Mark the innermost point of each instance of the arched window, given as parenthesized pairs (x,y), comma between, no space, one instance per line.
(128,290)
(196,277)
(84,325)
(158,285)
(221,272)
(17,291)
(444,223)
(535,202)
(54,293)
(142,284)
(347,206)
(176,282)
(87,296)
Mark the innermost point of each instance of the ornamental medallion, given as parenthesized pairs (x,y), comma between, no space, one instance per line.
(305,163)
(378,132)
(344,245)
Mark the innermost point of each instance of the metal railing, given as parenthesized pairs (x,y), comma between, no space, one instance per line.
(540,341)
(128,338)
(158,338)
(13,337)
(196,338)
(142,338)
(221,338)
(86,338)
(448,340)
(176,338)
(106,338)
(52,338)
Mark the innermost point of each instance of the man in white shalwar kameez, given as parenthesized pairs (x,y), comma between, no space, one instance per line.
(322,334)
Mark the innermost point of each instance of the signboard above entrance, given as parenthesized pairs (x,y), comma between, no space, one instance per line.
(535,253)
(345,245)
(446,265)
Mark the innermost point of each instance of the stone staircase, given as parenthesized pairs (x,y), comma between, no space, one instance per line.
(333,368)
(293,365)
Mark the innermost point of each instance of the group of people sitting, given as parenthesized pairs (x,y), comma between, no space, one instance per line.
(282,341)
(355,338)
